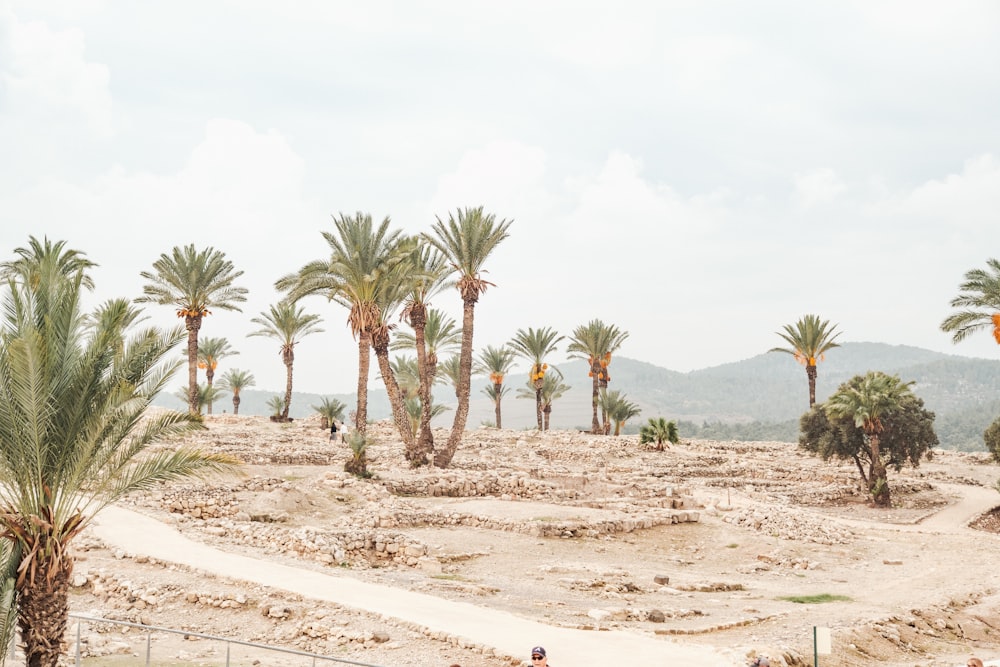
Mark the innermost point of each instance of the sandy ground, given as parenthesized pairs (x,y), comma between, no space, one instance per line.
(916,585)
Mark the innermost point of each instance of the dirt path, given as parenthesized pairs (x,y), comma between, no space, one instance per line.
(507,633)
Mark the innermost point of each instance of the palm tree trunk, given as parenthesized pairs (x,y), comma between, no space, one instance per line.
(442,457)
(43,613)
(425,438)
(209,376)
(538,402)
(497,388)
(289,359)
(364,360)
(193,324)
(879,484)
(811,375)
(236,403)
(547,411)
(399,416)
(595,425)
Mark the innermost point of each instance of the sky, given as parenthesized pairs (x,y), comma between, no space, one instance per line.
(697,173)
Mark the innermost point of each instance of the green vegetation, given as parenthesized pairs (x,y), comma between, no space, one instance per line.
(819,598)
(874,420)
(808,340)
(658,431)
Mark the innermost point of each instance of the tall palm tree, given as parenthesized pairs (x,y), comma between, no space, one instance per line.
(206,395)
(495,362)
(618,408)
(553,388)
(442,335)
(868,400)
(286,323)
(496,393)
(596,342)
(466,239)
(236,380)
(210,352)
(44,262)
(75,433)
(808,341)
(357,274)
(428,272)
(534,345)
(980,299)
(193,281)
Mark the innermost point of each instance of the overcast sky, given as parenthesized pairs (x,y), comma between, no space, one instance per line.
(697,173)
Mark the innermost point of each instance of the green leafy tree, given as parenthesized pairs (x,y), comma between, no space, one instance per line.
(618,408)
(43,263)
(553,388)
(658,431)
(876,421)
(466,240)
(808,341)
(495,362)
(210,352)
(535,345)
(596,342)
(75,434)
(287,323)
(235,381)
(193,282)
(330,410)
(980,304)
(357,464)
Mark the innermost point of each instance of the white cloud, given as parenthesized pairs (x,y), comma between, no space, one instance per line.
(819,186)
(968,200)
(45,73)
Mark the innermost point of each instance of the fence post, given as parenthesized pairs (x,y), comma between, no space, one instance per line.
(228,646)
(149,641)
(78,623)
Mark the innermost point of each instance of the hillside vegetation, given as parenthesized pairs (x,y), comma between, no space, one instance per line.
(760,398)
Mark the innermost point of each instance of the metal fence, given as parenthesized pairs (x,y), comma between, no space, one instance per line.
(233,647)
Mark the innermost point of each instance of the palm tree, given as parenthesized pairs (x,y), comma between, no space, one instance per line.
(808,341)
(428,272)
(660,431)
(449,371)
(868,400)
(980,298)
(495,362)
(288,324)
(329,410)
(276,404)
(618,408)
(359,271)
(193,282)
(44,262)
(534,345)
(75,436)
(406,370)
(206,395)
(236,380)
(596,342)
(495,393)
(210,352)
(553,387)
(466,240)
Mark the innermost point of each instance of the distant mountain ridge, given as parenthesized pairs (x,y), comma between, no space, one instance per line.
(769,388)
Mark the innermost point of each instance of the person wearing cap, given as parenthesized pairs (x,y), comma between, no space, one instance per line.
(761,662)
(974,662)
(539,657)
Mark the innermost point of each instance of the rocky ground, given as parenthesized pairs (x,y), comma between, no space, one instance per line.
(714,542)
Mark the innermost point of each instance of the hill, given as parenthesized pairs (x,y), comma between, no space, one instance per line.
(757,398)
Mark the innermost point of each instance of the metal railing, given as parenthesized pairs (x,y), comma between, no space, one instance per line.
(150,629)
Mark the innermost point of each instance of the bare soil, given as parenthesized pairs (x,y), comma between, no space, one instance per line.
(913,585)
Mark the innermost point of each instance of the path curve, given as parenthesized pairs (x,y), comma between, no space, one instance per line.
(508,634)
